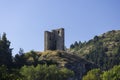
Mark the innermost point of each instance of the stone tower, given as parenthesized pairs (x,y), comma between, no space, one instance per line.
(54,40)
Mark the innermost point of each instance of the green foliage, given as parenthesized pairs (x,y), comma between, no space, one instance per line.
(5,51)
(72,46)
(99,57)
(97,74)
(5,74)
(112,74)
(93,75)
(77,45)
(96,38)
(13,71)
(20,60)
(35,57)
(44,72)
(103,50)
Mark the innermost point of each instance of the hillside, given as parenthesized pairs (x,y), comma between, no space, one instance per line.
(62,59)
(100,52)
(103,50)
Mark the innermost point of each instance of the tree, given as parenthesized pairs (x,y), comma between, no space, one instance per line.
(96,74)
(72,46)
(35,57)
(44,72)
(21,51)
(20,60)
(5,51)
(93,74)
(3,72)
(96,38)
(7,75)
(80,44)
(76,44)
(113,74)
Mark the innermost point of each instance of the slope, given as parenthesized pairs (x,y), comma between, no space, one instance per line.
(103,50)
(61,59)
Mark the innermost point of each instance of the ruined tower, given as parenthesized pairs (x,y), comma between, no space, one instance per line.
(54,40)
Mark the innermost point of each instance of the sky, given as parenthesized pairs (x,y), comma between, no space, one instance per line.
(24,21)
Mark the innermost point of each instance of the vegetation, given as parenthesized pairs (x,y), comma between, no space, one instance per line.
(5,52)
(102,50)
(93,75)
(97,74)
(44,72)
(28,66)
(112,74)
(96,59)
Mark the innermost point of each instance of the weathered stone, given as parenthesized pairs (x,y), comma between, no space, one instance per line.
(54,40)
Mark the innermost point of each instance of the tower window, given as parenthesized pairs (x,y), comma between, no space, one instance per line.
(58,32)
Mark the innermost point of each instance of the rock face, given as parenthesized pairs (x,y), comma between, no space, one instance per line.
(54,40)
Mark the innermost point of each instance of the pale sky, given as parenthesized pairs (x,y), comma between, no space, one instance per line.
(25,21)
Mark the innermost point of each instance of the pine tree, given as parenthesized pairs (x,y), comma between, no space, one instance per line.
(5,51)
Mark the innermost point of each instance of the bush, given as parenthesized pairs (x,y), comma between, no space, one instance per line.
(44,72)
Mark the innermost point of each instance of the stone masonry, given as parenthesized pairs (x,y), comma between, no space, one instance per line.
(54,40)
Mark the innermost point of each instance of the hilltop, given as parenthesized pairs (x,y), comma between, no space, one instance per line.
(109,41)
(61,59)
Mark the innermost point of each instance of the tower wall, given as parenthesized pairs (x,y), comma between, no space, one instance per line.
(47,40)
(60,39)
(54,40)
